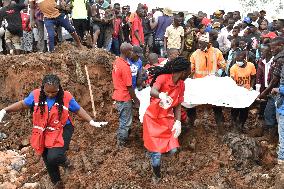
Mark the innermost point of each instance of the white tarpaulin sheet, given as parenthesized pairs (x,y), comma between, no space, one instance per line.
(219,91)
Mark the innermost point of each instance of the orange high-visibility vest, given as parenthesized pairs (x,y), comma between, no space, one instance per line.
(206,63)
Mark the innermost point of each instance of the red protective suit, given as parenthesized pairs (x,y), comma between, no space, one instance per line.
(158,122)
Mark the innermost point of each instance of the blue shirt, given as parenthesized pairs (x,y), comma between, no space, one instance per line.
(163,23)
(280,110)
(135,68)
(73,105)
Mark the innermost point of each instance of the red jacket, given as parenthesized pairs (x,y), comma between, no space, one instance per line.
(48,128)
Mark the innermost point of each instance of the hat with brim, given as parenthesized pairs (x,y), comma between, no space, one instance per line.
(167,11)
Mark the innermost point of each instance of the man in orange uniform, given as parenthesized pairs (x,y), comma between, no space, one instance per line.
(244,73)
(206,60)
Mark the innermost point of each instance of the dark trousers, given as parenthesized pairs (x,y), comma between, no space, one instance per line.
(218,114)
(55,157)
(81,26)
(239,115)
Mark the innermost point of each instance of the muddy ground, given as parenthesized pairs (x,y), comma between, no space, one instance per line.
(231,161)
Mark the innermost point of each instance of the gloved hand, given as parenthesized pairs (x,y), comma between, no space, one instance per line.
(177,128)
(166,101)
(97,124)
(2,114)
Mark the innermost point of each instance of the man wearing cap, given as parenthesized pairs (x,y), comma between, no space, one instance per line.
(136,66)
(174,35)
(244,25)
(160,29)
(206,61)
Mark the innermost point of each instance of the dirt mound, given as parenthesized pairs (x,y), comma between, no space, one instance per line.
(98,163)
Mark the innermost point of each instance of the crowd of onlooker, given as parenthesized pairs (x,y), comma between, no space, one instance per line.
(98,23)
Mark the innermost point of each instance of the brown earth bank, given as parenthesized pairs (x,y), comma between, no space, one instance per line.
(230,161)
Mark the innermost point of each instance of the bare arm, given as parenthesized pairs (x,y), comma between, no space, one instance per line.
(182,43)
(139,78)
(154,92)
(32,13)
(271,85)
(137,36)
(84,115)
(153,23)
(94,14)
(16,107)
(165,43)
(177,112)
(252,81)
(133,96)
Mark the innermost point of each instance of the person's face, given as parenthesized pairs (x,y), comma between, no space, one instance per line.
(233,44)
(235,16)
(129,52)
(240,58)
(141,12)
(101,2)
(263,25)
(203,45)
(235,32)
(177,20)
(185,74)
(135,57)
(254,17)
(253,29)
(265,51)
(262,15)
(116,9)
(243,44)
(202,30)
(278,25)
(275,48)
(173,54)
(231,23)
(50,90)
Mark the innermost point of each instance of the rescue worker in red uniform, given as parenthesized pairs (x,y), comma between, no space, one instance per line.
(52,126)
(161,122)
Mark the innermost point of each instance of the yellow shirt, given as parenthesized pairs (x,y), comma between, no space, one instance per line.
(79,10)
(174,36)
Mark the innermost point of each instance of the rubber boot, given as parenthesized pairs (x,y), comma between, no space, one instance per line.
(157,174)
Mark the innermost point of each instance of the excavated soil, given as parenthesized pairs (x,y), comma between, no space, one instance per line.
(215,162)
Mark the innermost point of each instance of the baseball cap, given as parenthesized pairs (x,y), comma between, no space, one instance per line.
(247,20)
(138,50)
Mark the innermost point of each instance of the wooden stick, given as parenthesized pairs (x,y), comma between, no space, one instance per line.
(91,93)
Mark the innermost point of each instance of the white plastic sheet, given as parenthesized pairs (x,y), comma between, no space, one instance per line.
(219,91)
